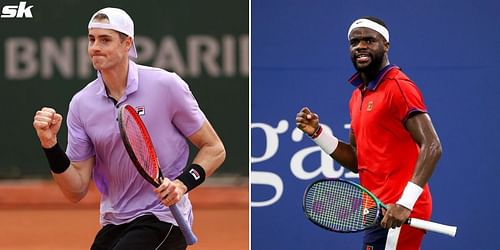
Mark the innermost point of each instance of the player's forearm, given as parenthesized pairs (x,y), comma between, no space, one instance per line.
(343,153)
(211,154)
(72,178)
(210,157)
(211,151)
(72,184)
(426,162)
(430,152)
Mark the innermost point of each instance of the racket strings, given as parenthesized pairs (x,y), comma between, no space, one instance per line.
(141,145)
(340,206)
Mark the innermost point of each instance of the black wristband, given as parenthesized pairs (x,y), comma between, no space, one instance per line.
(58,160)
(192,176)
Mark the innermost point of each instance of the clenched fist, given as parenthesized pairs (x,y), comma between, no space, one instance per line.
(307,121)
(47,123)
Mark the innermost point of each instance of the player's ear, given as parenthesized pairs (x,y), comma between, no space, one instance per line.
(128,42)
(386,46)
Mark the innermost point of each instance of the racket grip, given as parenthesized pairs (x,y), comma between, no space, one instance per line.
(183,225)
(432,226)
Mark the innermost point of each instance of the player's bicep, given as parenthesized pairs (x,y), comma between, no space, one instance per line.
(421,129)
(206,137)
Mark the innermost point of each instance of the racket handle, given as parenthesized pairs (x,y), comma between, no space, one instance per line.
(433,226)
(183,225)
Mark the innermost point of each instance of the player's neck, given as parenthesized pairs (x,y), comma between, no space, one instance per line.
(115,80)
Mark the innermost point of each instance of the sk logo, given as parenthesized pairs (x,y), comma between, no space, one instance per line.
(17,11)
(369,107)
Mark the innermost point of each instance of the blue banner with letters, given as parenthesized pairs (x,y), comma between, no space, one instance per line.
(300,58)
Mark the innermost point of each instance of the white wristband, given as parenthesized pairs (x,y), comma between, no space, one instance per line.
(410,195)
(327,142)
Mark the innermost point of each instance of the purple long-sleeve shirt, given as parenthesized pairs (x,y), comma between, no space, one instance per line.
(170,113)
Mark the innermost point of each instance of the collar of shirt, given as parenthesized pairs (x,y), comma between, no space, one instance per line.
(132,80)
(356,80)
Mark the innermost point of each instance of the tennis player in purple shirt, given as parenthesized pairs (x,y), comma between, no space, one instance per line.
(132,214)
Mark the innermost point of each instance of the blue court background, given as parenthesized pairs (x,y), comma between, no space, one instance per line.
(299,57)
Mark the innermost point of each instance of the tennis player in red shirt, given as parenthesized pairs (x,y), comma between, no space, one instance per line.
(392,142)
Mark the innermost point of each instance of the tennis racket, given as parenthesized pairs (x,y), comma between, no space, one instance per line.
(343,206)
(140,148)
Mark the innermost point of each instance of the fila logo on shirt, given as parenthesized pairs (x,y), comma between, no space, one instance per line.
(140,110)
(369,247)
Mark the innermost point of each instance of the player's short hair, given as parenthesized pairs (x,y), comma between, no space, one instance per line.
(375,19)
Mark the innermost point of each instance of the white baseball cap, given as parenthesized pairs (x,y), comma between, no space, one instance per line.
(119,21)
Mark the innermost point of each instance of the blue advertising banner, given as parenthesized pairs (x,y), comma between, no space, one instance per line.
(300,58)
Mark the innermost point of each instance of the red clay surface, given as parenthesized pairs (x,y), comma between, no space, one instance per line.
(35,215)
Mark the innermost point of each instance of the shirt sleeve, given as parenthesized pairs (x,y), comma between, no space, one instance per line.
(79,146)
(407,100)
(188,117)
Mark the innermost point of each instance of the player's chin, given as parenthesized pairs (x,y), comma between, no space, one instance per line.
(97,66)
(363,67)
